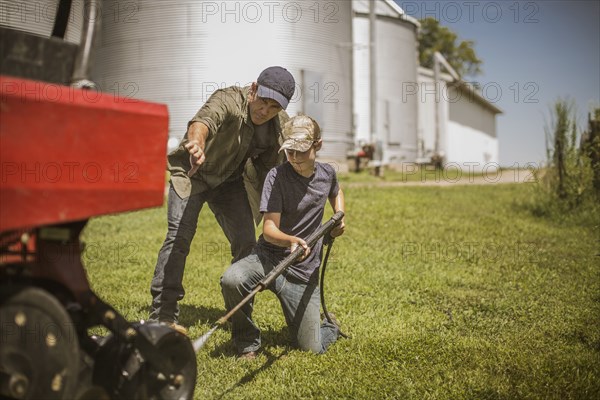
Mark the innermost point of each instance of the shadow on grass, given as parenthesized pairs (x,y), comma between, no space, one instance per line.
(269,338)
(191,314)
(249,377)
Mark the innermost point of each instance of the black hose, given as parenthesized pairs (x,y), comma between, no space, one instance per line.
(327,241)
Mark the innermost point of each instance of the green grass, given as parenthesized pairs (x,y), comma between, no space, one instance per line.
(448,293)
(411,172)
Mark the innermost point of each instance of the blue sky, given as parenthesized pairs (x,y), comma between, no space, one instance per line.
(534,52)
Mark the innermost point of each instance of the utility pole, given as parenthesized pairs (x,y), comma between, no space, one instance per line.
(374,137)
(438,62)
(372,71)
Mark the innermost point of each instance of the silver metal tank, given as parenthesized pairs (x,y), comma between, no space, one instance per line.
(396,52)
(179,52)
(38,17)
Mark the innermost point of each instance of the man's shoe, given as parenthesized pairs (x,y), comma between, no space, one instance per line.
(250,355)
(175,326)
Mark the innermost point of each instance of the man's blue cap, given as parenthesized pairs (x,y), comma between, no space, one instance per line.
(278,84)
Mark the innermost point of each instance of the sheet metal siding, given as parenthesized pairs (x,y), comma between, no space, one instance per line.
(38,17)
(396,72)
(465,110)
(464,133)
(471,148)
(362,84)
(397,115)
(427,116)
(179,52)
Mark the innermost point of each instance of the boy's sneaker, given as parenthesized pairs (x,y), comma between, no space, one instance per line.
(336,323)
(333,319)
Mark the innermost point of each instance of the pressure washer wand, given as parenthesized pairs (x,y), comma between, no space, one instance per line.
(271,276)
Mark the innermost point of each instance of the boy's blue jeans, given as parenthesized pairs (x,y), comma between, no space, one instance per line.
(229,203)
(300,303)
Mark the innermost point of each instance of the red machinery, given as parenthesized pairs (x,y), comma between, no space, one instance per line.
(67,155)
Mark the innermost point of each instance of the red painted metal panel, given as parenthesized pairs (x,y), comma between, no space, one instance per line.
(68,154)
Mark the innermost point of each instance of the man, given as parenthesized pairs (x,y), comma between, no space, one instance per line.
(229,147)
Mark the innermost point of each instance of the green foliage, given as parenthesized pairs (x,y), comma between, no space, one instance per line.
(590,145)
(448,293)
(435,37)
(565,186)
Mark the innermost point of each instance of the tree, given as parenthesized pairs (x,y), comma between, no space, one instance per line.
(434,37)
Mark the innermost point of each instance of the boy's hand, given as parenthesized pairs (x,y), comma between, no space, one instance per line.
(339,229)
(296,241)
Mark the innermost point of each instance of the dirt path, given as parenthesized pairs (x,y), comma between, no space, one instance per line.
(453,178)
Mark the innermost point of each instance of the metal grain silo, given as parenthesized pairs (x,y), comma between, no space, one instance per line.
(395,77)
(179,52)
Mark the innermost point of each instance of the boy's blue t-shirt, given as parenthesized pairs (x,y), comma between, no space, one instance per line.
(301,202)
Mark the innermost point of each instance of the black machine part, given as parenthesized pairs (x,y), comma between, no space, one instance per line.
(30,56)
(39,356)
(122,371)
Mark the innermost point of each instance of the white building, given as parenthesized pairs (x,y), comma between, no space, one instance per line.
(455,122)
(413,121)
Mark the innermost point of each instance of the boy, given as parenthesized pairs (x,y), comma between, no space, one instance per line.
(292,203)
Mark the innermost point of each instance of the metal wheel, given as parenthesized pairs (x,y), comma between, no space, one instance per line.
(121,369)
(39,356)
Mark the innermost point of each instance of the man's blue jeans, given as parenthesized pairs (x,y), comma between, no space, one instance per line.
(300,302)
(229,203)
